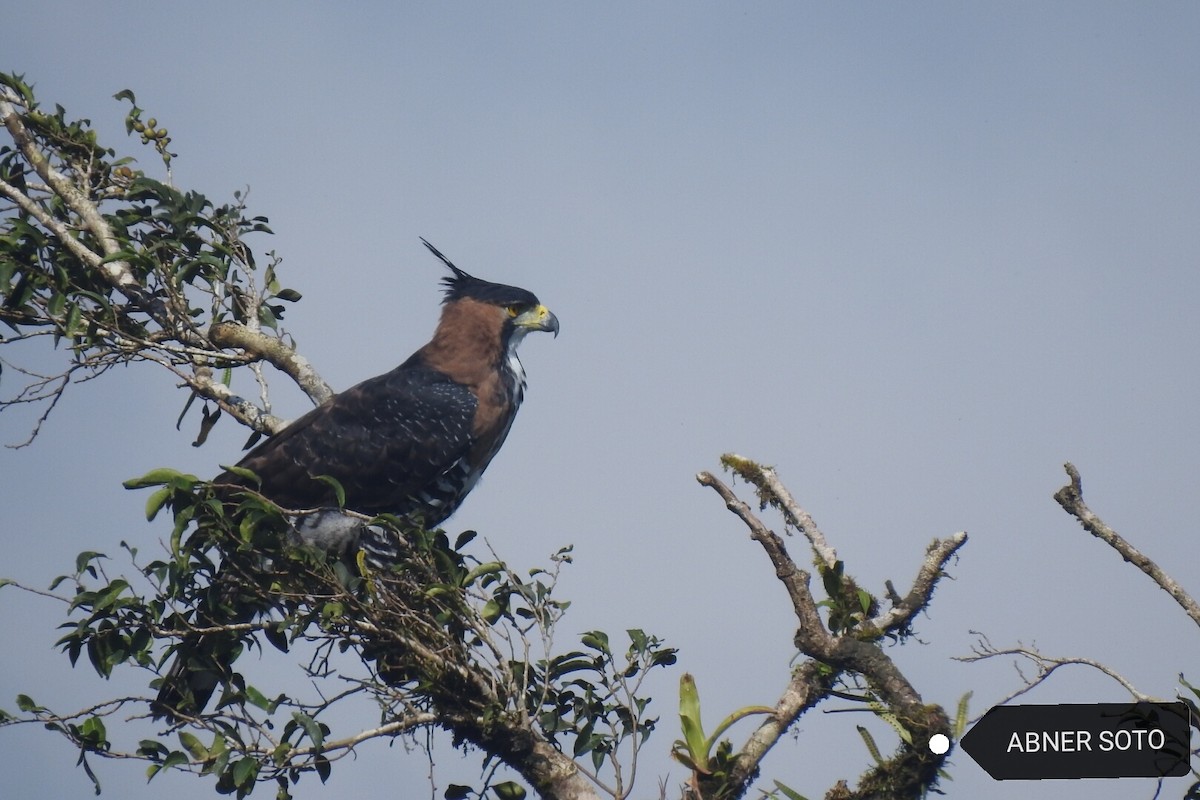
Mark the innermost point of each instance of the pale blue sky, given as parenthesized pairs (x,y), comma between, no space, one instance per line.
(914,255)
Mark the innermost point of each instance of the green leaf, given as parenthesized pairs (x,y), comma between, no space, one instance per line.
(864,600)
(788,792)
(732,719)
(152,748)
(457,792)
(26,703)
(277,636)
(894,721)
(869,741)
(157,501)
(679,752)
(207,421)
(509,791)
(158,477)
(597,640)
(267,318)
(490,568)
(245,474)
(323,767)
(568,663)
(244,771)
(194,746)
(120,255)
(960,718)
(491,612)
(86,557)
(338,491)
(93,732)
(665,658)
(256,698)
(689,719)
(832,579)
(311,727)
(290,295)
(72,323)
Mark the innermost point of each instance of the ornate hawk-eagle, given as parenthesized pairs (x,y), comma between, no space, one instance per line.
(412,442)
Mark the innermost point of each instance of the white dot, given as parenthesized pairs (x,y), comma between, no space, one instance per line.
(939,743)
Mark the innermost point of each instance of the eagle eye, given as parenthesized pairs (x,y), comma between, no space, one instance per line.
(513,310)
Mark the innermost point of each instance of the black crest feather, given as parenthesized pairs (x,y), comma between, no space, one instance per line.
(462,285)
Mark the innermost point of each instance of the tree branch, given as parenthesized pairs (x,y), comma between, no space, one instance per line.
(276,352)
(117,271)
(983,650)
(1070,497)
(852,649)
(772,491)
(201,381)
(900,615)
(97,300)
(794,579)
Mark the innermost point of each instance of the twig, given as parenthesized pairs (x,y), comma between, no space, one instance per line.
(1046,665)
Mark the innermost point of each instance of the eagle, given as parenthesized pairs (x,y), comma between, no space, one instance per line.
(411,443)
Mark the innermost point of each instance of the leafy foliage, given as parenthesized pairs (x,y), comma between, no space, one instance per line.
(433,639)
(116,264)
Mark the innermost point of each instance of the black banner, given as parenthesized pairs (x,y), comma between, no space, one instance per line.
(1104,740)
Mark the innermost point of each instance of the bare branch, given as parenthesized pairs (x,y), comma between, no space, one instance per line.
(1070,497)
(809,685)
(274,351)
(938,553)
(201,381)
(983,650)
(794,579)
(771,490)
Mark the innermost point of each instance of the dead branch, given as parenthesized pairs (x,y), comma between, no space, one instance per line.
(1070,497)
(1046,665)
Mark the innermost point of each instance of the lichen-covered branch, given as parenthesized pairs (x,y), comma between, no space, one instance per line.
(901,614)
(794,579)
(771,491)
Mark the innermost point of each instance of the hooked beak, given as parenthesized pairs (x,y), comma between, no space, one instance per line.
(538,319)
